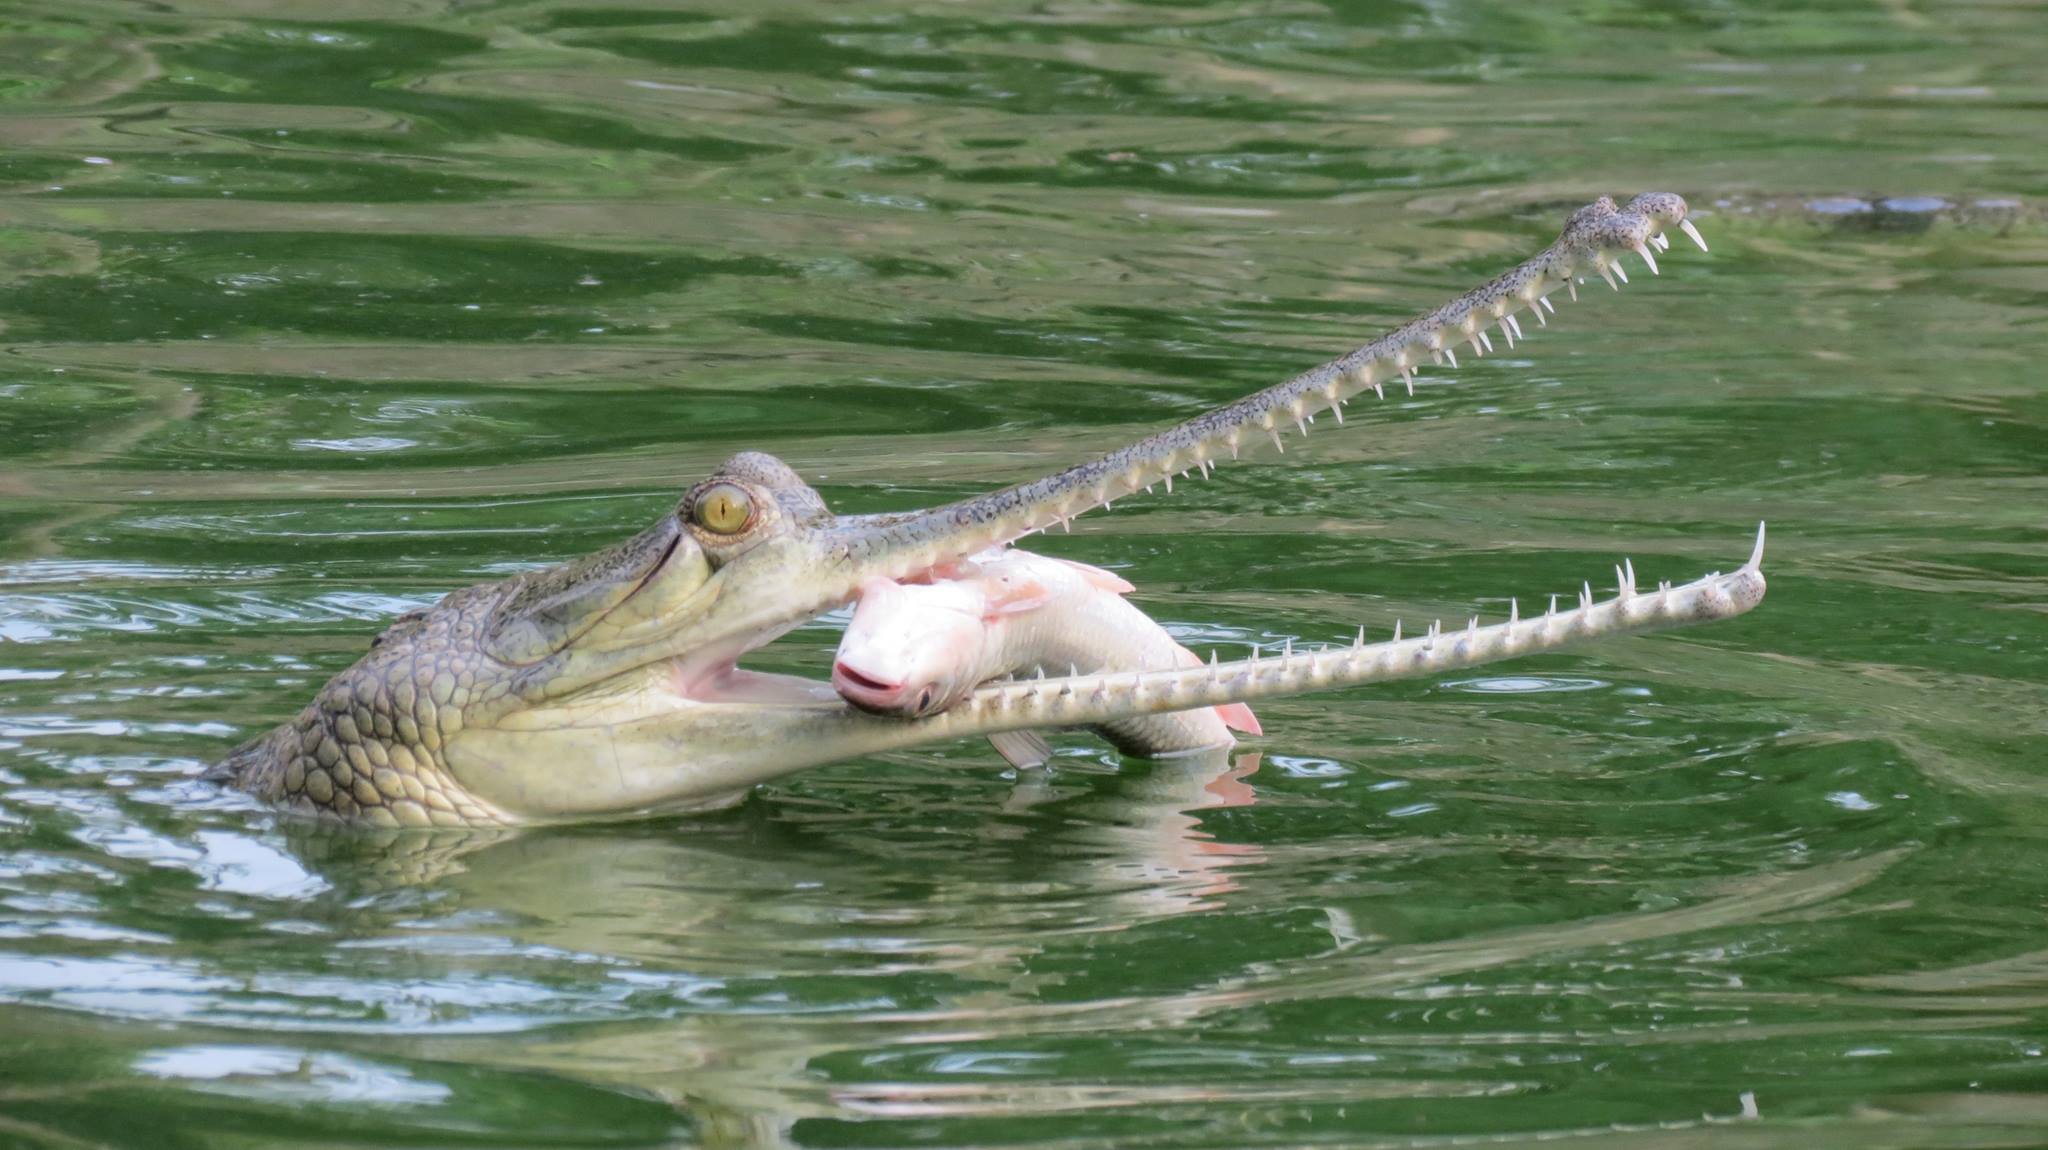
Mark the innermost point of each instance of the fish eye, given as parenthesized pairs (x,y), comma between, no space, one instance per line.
(924,701)
(723,508)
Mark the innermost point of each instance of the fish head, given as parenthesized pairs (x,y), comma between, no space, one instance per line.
(911,649)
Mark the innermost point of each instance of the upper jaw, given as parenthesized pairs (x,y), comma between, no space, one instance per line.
(1592,243)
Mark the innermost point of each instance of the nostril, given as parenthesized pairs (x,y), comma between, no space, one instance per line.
(866,682)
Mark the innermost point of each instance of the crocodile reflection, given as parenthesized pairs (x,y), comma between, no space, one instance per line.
(746,899)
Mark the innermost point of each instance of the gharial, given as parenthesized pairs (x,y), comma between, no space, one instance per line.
(609,685)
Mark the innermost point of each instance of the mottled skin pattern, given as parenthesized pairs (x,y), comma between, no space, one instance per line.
(608,686)
(369,744)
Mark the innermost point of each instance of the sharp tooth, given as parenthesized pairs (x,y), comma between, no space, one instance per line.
(1573,286)
(1607,274)
(1408,377)
(1481,333)
(1514,326)
(1381,394)
(1514,611)
(1547,306)
(1756,557)
(1648,259)
(1662,241)
(1169,485)
(1453,357)
(1277,445)
(1397,630)
(1692,233)
(1619,271)
(1337,409)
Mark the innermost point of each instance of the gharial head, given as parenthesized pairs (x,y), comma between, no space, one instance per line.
(609,684)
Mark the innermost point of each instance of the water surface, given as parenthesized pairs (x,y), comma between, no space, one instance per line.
(315,312)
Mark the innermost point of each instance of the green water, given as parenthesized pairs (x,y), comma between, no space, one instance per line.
(316,311)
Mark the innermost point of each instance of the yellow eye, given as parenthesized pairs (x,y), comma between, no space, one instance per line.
(725,508)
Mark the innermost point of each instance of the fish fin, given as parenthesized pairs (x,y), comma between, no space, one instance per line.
(1022,748)
(1016,597)
(1099,579)
(1239,717)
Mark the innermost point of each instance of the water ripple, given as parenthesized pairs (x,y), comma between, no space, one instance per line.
(319,312)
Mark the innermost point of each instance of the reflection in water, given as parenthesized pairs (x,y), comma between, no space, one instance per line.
(316,312)
(669,899)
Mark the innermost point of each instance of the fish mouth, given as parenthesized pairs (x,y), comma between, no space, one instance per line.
(866,691)
(901,700)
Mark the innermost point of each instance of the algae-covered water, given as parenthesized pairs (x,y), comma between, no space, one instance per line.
(316,311)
